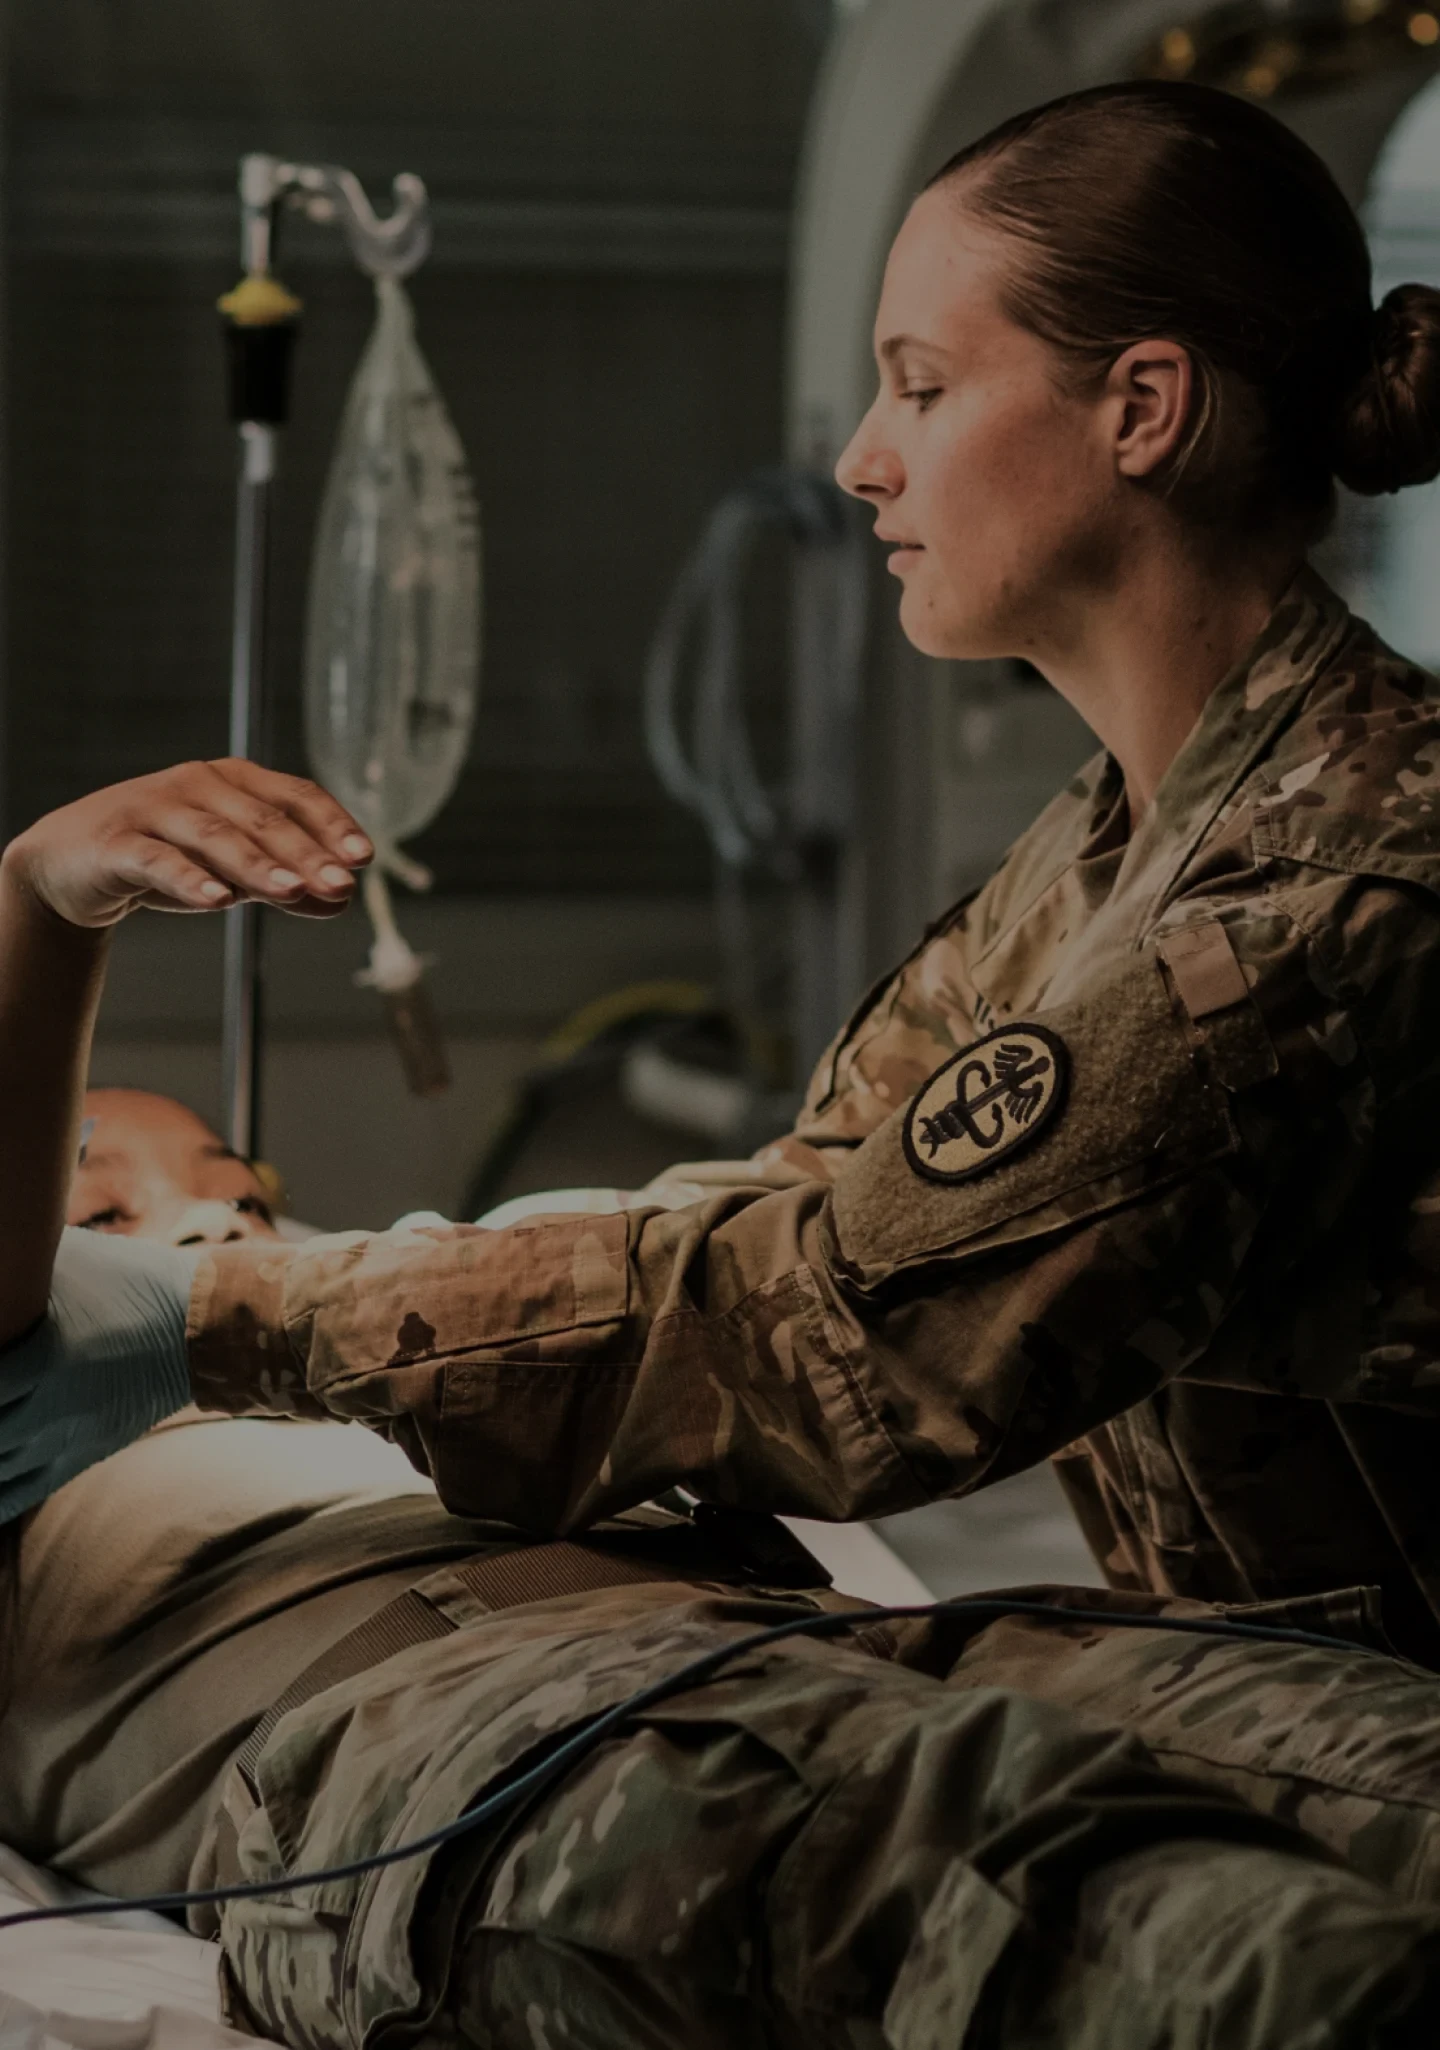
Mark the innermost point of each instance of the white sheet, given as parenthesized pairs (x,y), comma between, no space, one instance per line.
(112,1982)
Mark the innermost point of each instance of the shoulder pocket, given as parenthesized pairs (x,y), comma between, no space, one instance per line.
(1137,1112)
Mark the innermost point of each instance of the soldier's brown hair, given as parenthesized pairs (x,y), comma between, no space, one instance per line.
(1155,209)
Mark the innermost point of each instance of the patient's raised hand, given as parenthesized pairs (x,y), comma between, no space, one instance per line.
(194,838)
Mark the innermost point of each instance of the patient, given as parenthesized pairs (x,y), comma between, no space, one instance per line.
(168,1595)
(150,1168)
(824,1846)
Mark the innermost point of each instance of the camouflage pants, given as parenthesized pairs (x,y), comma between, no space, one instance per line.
(1344,1744)
(823,1846)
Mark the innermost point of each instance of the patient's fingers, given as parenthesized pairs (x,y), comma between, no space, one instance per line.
(267,855)
(229,869)
(308,844)
(161,874)
(279,872)
(312,808)
(226,853)
(194,838)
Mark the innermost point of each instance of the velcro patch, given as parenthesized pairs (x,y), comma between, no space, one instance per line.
(1207,974)
(986,1102)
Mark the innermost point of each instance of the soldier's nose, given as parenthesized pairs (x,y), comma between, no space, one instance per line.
(206,1224)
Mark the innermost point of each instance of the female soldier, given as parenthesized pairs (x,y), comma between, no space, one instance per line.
(1133,1161)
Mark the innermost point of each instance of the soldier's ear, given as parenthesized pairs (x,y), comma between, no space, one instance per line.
(1151,389)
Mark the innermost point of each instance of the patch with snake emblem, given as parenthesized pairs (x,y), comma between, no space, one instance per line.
(986,1102)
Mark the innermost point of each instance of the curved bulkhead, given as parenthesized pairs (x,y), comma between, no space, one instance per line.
(961,756)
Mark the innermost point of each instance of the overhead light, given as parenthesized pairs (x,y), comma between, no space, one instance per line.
(1177,52)
(1268,48)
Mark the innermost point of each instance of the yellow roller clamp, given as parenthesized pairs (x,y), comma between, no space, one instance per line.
(259,301)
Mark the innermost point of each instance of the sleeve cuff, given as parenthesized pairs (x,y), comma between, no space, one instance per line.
(241,1359)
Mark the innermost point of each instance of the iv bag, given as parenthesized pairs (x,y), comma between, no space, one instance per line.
(392,637)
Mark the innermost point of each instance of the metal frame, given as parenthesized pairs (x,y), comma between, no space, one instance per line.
(391,246)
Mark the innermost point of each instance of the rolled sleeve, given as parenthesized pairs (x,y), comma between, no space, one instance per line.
(831,1349)
(850,1346)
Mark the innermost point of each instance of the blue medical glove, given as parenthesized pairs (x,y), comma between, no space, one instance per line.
(106,1362)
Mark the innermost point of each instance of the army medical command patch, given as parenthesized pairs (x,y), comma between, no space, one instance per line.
(987,1102)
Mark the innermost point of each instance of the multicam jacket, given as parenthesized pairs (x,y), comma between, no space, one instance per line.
(1135,1162)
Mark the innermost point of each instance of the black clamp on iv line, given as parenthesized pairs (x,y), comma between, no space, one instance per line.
(261,321)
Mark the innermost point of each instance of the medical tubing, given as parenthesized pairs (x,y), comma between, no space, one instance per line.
(829,1623)
(722,784)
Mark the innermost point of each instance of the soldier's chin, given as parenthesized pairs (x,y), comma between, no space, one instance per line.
(935,629)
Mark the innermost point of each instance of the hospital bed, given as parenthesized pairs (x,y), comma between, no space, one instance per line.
(117,1982)
(135,1981)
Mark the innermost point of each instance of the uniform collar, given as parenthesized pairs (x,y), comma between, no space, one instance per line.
(1242,718)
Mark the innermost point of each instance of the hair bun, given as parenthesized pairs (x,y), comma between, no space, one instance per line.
(1388,431)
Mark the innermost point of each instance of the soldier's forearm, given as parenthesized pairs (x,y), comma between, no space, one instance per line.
(241,1359)
(834,1349)
(496,1359)
(561,1369)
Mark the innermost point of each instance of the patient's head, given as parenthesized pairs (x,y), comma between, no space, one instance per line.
(153,1170)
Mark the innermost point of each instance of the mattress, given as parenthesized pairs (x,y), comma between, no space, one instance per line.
(129,1981)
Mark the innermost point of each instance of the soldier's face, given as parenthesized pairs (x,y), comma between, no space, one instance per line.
(995,483)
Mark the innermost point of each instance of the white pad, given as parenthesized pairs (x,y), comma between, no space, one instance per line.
(111,1982)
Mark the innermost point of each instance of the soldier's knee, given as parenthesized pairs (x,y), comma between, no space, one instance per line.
(1221,1944)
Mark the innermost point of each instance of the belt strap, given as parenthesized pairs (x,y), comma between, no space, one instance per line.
(500,1580)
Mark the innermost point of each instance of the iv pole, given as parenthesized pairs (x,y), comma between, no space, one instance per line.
(261,320)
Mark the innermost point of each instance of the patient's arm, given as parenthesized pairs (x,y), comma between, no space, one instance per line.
(51,975)
(195,838)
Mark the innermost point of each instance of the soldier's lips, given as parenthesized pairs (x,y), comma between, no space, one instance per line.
(904,556)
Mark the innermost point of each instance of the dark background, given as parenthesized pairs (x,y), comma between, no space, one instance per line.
(603,313)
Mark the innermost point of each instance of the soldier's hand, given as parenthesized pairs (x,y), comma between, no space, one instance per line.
(195,838)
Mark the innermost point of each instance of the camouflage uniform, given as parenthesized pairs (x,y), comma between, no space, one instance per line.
(822,1848)
(1211,1283)
(1195,1259)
